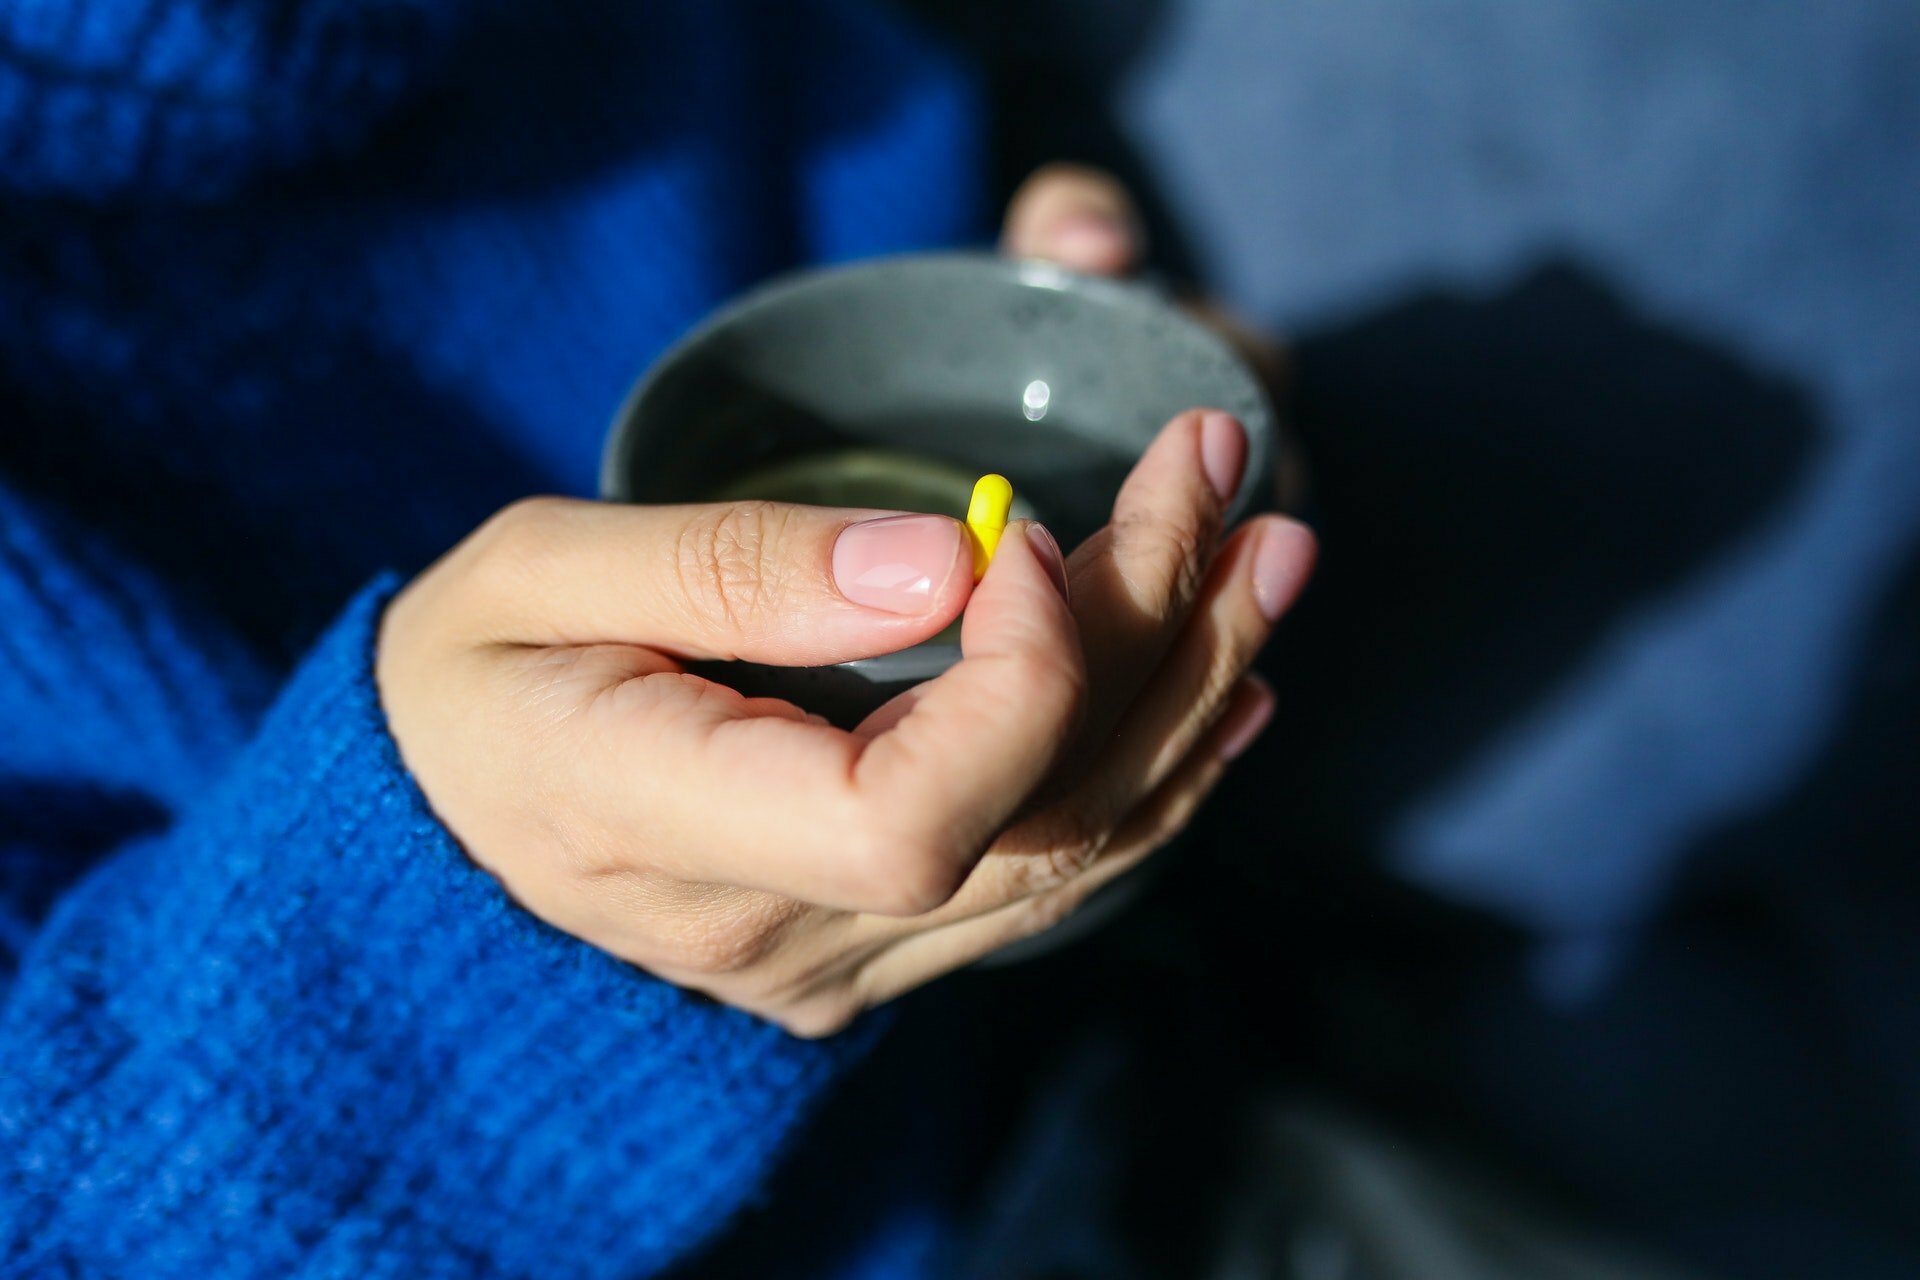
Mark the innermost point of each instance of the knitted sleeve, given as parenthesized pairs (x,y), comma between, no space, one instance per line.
(886,136)
(191,98)
(292,1031)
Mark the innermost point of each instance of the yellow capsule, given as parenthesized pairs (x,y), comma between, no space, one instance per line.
(987,519)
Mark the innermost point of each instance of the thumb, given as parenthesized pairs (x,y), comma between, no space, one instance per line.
(760,581)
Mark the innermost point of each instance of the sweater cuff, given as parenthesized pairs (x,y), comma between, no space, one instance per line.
(306,1020)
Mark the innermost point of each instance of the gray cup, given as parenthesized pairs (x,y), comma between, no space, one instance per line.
(1054,379)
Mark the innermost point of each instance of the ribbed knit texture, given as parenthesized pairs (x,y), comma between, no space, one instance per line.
(291,296)
(159,98)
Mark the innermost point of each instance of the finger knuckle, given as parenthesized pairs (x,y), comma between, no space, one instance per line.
(1208,691)
(1213,687)
(526,515)
(906,875)
(1053,849)
(1171,552)
(924,883)
(721,562)
(513,544)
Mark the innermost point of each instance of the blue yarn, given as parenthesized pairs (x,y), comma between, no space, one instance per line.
(291,296)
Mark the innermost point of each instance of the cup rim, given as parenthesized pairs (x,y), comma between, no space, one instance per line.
(1133,295)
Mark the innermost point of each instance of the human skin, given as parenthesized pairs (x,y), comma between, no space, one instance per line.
(534,680)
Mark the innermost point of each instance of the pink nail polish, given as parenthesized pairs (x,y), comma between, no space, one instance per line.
(1280,565)
(1223,452)
(896,563)
(1048,550)
(1247,719)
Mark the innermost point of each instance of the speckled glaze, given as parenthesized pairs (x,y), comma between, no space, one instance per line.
(934,355)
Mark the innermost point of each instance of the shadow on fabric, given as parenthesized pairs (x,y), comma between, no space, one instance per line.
(1498,482)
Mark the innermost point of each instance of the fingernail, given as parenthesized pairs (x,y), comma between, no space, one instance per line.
(1048,551)
(1280,565)
(896,563)
(1223,452)
(1092,240)
(1249,715)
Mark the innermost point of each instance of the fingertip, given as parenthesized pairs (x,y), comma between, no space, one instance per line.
(1282,562)
(1247,716)
(1032,547)
(912,565)
(1223,452)
(1305,541)
(1092,242)
(1175,466)
(1187,430)
(1022,595)
(1047,549)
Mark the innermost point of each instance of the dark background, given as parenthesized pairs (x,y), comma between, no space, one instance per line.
(1586,836)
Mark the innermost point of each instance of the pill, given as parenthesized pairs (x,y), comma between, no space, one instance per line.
(987,519)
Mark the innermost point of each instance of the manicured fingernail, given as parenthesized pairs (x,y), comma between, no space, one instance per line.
(1223,452)
(1251,711)
(1280,565)
(1048,551)
(896,563)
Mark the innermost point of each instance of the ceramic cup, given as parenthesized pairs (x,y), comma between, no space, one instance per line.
(817,385)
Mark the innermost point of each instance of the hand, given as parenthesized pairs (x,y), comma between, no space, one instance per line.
(533,681)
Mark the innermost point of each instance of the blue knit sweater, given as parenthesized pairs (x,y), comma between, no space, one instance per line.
(292,294)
